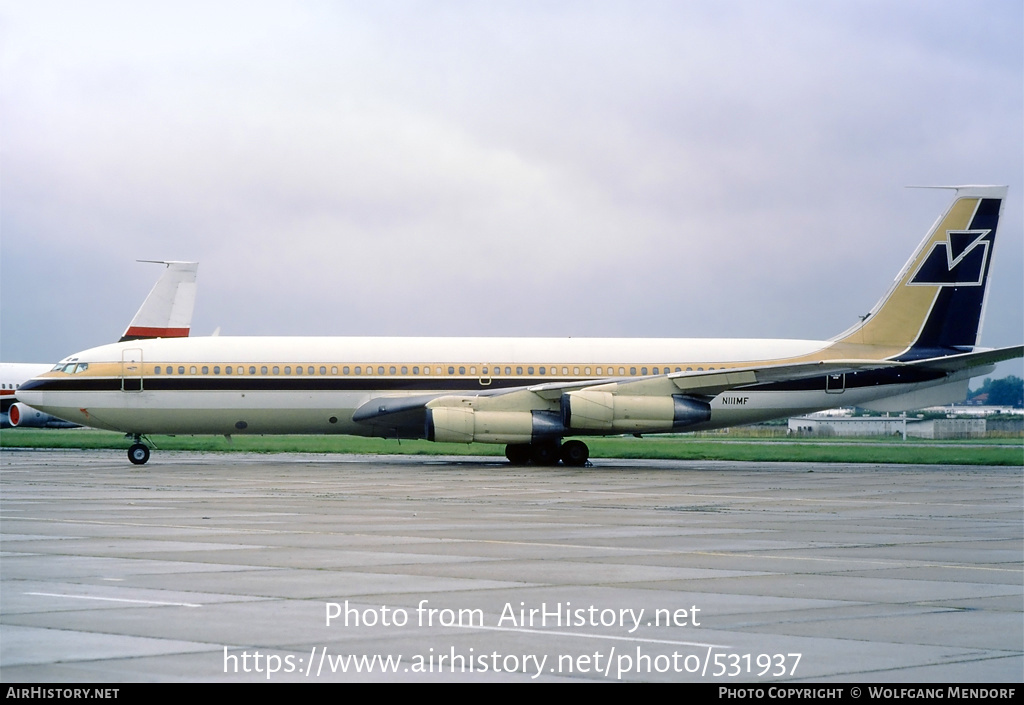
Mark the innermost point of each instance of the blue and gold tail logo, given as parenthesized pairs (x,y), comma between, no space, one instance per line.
(961,260)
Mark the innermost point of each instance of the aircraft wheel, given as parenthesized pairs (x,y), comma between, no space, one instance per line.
(575,453)
(544,453)
(518,453)
(138,454)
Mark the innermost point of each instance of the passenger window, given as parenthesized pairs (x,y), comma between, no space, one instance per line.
(529,370)
(415,370)
(451,370)
(334,371)
(216,369)
(287,370)
(156,370)
(181,369)
(192,369)
(392,370)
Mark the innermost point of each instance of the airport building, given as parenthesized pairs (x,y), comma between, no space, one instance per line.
(850,426)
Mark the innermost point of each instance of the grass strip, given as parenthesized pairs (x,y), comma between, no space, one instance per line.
(1007,452)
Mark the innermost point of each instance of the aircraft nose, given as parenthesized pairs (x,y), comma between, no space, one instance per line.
(30,390)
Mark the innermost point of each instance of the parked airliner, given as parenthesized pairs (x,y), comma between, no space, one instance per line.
(166,312)
(917,347)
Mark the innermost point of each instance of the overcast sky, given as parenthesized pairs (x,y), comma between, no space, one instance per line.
(663,169)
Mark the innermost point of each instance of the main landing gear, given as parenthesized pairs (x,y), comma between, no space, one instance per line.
(138,453)
(571,453)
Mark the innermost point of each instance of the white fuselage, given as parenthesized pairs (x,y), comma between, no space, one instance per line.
(265,385)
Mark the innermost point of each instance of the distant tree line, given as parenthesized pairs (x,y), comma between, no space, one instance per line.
(1008,391)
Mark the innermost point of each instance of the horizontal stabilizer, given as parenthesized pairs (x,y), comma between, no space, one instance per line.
(964,361)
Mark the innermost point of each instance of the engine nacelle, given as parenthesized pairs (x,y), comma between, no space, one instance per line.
(452,424)
(604,411)
(24,416)
(462,424)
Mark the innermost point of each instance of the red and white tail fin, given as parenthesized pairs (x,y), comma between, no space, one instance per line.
(167,311)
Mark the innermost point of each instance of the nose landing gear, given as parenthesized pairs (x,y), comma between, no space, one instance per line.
(138,453)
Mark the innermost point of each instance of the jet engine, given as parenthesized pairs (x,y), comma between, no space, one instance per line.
(607,412)
(462,424)
(24,416)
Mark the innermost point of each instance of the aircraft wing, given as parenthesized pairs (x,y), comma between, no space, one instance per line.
(405,416)
(714,382)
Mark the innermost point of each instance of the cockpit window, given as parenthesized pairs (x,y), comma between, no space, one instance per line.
(71,367)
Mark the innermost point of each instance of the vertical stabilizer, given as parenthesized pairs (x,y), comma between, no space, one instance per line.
(937,303)
(167,311)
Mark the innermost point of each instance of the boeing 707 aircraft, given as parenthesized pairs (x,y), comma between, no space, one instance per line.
(917,347)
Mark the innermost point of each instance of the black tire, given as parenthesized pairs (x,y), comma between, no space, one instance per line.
(575,453)
(138,454)
(518,453)
(544,453)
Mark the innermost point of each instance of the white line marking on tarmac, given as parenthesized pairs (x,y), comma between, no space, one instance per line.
(113,599)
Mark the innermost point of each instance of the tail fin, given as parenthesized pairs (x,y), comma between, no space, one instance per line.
(937,303)
(167,311)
